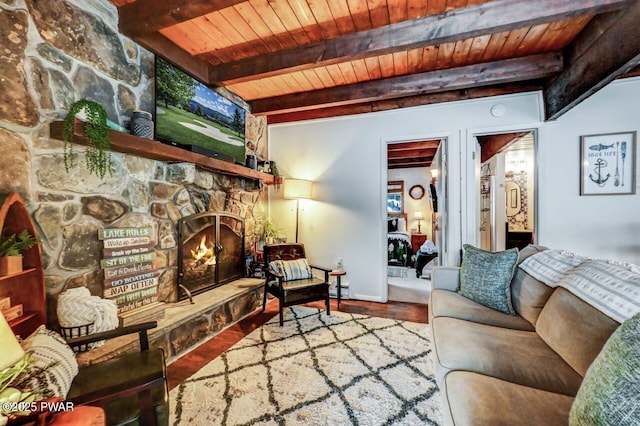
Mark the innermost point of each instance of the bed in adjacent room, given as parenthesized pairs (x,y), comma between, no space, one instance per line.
(399,250)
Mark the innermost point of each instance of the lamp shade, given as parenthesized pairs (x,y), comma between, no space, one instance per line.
(297,189)
(434,174)
(11,350)
(418,215)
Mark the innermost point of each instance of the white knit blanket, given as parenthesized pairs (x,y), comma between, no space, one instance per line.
(77,307)
(611,287)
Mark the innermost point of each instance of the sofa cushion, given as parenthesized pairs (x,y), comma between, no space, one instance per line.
(528,295)
(485,277)
(609,392)
(476,399)
(444,303)
(513,355)
(574,329)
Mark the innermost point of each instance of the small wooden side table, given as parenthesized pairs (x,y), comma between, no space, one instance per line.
(417,240)
(338,273)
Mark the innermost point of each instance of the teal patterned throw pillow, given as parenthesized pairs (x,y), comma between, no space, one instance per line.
(610,391)
(485,277)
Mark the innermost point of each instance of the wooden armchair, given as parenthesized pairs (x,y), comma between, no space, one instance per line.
(132,388)
(292,284)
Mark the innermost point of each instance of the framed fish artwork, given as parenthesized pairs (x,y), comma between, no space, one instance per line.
(608,165)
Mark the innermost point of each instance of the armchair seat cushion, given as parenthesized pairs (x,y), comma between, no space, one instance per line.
(96,383)
(300,290)
(115,376)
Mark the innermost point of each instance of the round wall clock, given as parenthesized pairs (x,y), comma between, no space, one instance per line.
(416,192)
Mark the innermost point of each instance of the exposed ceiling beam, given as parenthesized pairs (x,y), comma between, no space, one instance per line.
(509,70)
(410,153)
(402,146)
(608,47)
(491,145)
(416,162)
(148,16)
(454,25)
(164,47)
(409,101)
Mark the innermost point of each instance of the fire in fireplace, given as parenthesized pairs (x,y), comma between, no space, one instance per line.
(211,251)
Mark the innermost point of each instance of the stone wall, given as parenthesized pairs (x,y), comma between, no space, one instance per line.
(55,52)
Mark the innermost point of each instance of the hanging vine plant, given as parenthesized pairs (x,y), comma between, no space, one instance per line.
(98,153)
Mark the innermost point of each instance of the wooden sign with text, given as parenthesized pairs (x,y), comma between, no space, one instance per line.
(130,277)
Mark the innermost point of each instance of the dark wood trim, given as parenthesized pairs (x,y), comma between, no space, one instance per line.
(603,51)
(164,47)
(451,26)
(403,146)
(411,153)
(148,16)
(409,101)
(409,162)
(130,144)
(491,145)
(506,71)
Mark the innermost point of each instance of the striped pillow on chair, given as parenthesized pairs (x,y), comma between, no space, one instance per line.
(298,269)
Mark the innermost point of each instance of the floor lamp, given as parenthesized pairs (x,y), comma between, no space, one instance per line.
(297,189)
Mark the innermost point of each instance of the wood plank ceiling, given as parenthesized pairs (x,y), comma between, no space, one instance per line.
(302,59)
(411,154)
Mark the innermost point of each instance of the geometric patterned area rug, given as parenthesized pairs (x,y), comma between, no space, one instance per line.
(342,369)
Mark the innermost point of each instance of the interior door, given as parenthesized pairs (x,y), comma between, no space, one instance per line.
(440,217)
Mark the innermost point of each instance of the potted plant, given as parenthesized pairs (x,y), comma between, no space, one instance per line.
(266,232)
(11,250)
(98,154)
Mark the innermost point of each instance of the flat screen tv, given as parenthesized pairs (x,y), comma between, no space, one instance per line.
(192,116)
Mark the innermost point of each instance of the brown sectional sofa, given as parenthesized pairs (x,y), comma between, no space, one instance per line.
(499,369)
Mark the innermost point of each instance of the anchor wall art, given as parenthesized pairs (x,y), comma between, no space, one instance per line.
(608,164)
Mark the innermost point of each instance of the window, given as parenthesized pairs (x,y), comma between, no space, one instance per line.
(395,197)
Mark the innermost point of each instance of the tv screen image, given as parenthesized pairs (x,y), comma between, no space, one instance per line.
(195,117)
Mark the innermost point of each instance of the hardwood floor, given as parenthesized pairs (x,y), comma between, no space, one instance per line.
(191,362)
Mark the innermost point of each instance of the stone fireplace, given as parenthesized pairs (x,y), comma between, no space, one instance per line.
(50,69)
(211,251)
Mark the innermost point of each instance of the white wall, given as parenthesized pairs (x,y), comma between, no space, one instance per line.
(600,226)
(346,158)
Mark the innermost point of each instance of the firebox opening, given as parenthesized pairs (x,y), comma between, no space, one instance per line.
(212,251)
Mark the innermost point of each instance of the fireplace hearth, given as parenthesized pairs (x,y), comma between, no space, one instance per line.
(211,251)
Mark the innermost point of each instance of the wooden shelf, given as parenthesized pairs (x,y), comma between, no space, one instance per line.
(26,287)
(21,273)
(130,144)
(14,323)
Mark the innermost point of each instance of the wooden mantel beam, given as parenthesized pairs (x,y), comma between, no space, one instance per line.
(506,71)
(455,25)
(148,16)
(607,48)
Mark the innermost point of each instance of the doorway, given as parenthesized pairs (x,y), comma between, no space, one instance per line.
(508,190)
(414,199)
